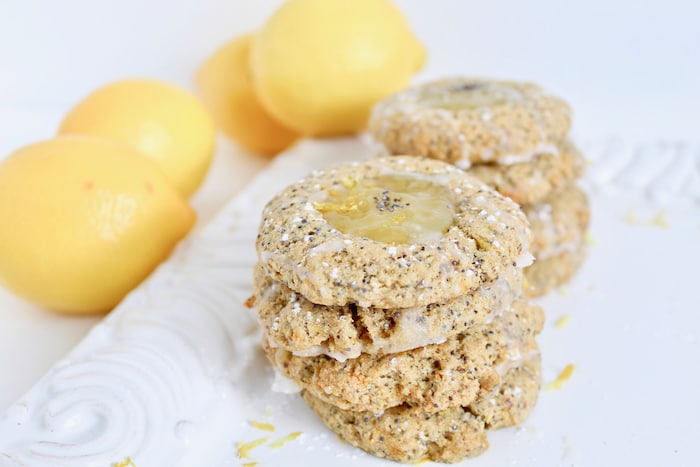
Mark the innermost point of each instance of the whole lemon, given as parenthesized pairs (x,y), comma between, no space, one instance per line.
(318,66)
(227,91)
(158,119)
(83,221)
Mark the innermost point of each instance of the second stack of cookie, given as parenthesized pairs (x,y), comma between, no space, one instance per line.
(390,291)
(514,137)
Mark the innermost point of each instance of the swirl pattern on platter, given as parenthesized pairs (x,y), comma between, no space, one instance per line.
(146,370)
(661,171)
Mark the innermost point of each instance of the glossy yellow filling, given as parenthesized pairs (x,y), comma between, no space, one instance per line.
(469,96)
(394,209)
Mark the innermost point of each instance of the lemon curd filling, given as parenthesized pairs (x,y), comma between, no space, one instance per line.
(394,209)
(469,96)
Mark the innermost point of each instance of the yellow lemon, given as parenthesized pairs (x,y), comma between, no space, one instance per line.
(224,81)
(158,119)
(83,221)
(318,66)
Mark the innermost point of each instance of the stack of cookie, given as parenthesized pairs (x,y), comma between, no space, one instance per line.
(512,136)
(390,291)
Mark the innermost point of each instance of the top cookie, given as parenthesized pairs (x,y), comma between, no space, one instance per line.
(390,233)
(471,120)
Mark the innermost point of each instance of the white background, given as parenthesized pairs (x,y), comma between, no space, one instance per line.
(629,68)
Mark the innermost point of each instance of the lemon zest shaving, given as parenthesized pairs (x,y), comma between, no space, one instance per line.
(563,376)
(659,220)
(563,321)
(250,464)
(282,441)
(590,239)
(349,182)
(334,193)
(398,218)
(245,448)
(630,218)
(262,426)
(350,204)
(125,463)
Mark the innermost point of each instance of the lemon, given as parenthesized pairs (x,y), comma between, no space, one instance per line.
(158,119)
(83,221)
(318,66)
(227,91)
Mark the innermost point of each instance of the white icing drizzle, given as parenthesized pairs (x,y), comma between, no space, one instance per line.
(511,159)
(411,332)
(515,359)
(326,247)
(323,349)
(524,260)
(560,248)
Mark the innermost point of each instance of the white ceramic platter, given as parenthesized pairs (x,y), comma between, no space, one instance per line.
(174,377)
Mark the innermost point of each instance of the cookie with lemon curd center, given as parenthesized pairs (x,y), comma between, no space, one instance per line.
(429,233)
(464,120)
